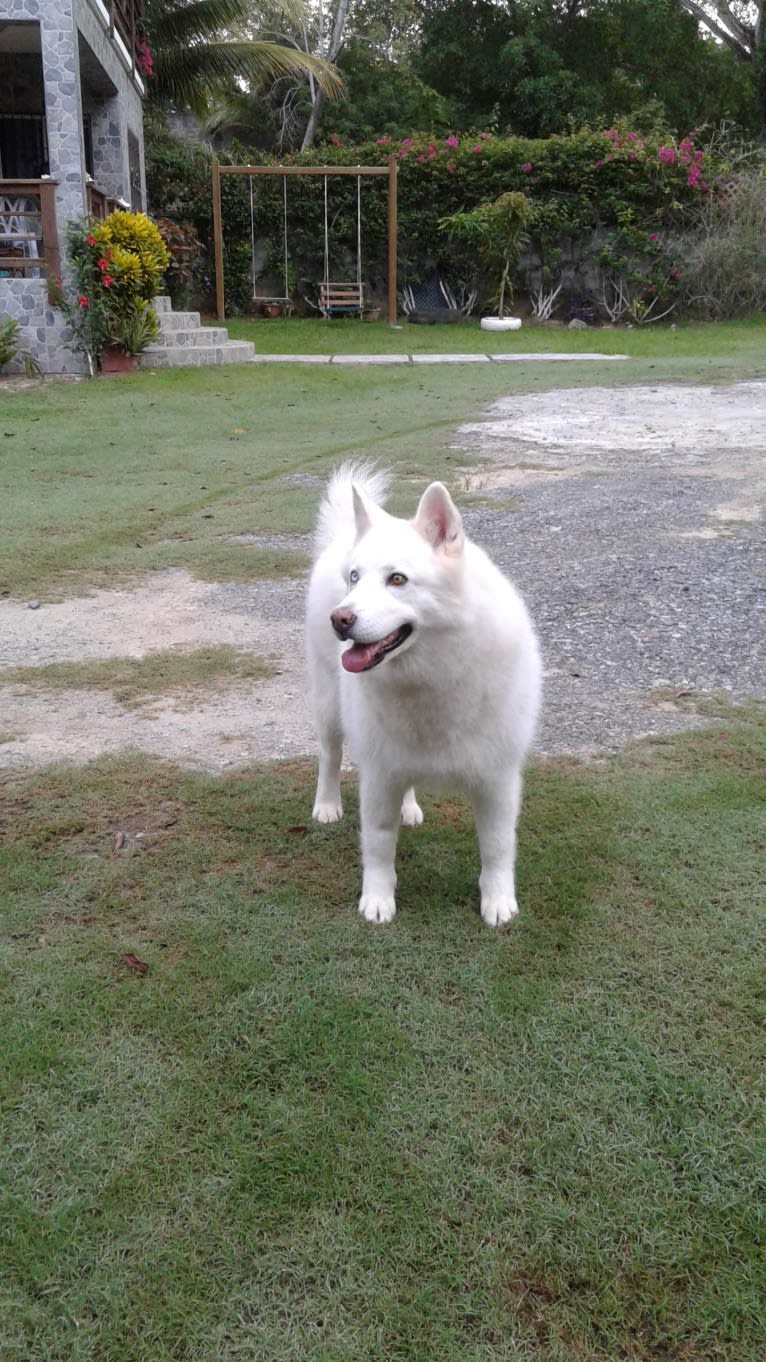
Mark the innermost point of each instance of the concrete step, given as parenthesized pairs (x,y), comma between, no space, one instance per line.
(203,335)
(161,304)
(179,321)
(160,356)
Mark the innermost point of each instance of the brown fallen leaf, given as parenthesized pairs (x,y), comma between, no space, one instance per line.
(119,841)
(297,827)
(133,962)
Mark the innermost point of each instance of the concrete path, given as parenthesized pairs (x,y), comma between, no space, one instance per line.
(516,357)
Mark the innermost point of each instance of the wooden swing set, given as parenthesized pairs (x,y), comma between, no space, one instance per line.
(336,298)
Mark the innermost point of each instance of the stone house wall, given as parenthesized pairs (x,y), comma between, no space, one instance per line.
(84,73)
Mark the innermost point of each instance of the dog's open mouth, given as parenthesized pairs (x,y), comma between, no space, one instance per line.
(360,657)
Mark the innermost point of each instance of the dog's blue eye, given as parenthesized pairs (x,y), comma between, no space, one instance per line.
(397,579)
(353,576)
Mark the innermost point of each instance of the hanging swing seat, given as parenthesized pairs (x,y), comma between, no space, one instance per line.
(340,298)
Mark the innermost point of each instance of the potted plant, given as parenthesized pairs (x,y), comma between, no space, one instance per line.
(495,230)
(129,335)
(117,265)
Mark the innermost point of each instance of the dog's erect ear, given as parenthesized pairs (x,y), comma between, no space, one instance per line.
(438,520)
(365,512)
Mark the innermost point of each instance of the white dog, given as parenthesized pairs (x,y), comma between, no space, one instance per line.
(440,683)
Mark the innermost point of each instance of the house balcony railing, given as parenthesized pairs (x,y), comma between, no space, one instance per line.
(122,19)
(29,246)
(101,204)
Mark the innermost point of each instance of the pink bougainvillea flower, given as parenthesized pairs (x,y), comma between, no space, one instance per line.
(381,141)
(406,142)
(527,166)
(144,60)
(451,166)
(420,159)
(485,136)
(653,236)
(597,163)
(667,155)
(451,141)
(478,147)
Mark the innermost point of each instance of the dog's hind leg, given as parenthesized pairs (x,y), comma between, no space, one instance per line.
(328,807)
(412,814)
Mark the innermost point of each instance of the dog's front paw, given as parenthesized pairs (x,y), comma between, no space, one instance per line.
(377,907)
(327,811)
(498,908)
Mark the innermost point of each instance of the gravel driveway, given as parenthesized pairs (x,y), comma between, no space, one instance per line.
(631,519)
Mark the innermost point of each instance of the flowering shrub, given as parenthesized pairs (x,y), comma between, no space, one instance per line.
(615,186)
(117,265)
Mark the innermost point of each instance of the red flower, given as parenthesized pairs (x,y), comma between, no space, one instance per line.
(103,264)
(106,280)
(82,301)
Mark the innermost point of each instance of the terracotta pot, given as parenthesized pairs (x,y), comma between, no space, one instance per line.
(115,360)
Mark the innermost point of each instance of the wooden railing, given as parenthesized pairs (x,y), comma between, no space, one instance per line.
(28,236)
(125,19)
(100,204)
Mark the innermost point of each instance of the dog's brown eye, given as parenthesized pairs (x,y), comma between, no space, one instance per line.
(397,579)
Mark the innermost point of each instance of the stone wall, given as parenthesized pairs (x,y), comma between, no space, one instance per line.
(43,333)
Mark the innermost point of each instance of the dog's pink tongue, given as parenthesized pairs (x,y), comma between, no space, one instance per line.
(359,657)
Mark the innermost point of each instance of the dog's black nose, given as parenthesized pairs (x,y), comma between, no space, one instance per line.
(343,620)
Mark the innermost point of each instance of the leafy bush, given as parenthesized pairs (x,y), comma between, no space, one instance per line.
(495,230)
(135,251)
(724,271)
(9,339)
(183,272)
(117,264)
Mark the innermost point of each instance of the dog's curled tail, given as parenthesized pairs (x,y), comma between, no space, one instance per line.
(336,511)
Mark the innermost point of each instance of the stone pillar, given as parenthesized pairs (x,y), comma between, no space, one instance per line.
(109,153)
(63,108)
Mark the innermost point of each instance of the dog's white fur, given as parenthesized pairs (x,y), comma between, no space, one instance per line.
(453,705)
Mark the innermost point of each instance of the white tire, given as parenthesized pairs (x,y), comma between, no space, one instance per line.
(501,323)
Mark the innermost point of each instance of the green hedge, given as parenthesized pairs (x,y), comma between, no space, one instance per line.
(628,190)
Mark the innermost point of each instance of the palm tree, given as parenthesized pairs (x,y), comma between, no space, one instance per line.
(198,53)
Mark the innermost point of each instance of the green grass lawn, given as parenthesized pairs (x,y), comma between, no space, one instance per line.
(311,335)
(161,469)
(240,1123)
(295,1137)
